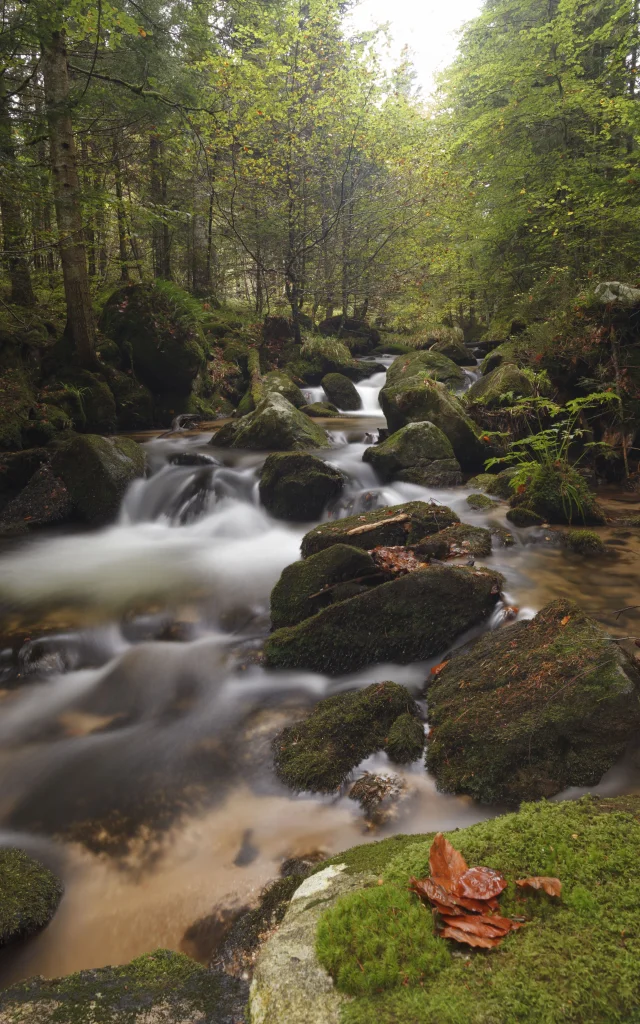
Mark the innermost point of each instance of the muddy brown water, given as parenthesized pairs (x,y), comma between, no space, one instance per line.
(135,721)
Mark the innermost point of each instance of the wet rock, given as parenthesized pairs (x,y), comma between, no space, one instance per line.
(321,409)
(480,502)
(584,542)
(358,334)
(341,392)
(275,425)
(409,619)
(341,731)
(386,527)
(500,387)
(43,502)
(29,895)
(498,484)
(418,453)
(457,351)
(523,517)
(279,383)
(96,472)
(415,399)
(459,539)
(503,537)
(193,459)
(378,795)
(309,585)
(162,987)
(532,708)
(557,494)
(298,486)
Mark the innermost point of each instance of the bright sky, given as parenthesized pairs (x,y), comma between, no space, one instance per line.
(428,27)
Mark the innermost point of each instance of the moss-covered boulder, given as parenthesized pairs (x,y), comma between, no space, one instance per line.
(86,398)
(532,708)
(571,962)
(357,334)
(280,383)
(459,539)
(29,895)
(309,585)
(44,501)
(275,425)
(298,486)
(496,484)
(318,753)
(504,384)
(425,365)
(158,328)
(454,350)
(558,494)
(481,502)
(341,392)
(134,401)
(389,527)
(504,353)
(411,618)
(321,410)
(96,472)
(415,399)
(523,517)
(584,542)
(162,987)
(419,453)
(405,741)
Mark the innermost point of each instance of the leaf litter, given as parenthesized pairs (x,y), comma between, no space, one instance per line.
(464,900)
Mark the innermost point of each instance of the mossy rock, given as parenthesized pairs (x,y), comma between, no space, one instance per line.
(158,329)
(504,353)
(298,486)
(567,964)
(559,494)
(108,352)
(298,593)
(481,502)
(500,387)
(237,351)
(162,987)
(320,752)
(360,337)
(457,539)
(454,350)
(49,420)
(522,517)
(409,619)
(280,383)
(275,425)
(584,542)
(246,404)
(96,472)
(415,399)
(431,365)
(405,741)
(134,401)
(498,485)
(389,526)
(86,398)
(17,468)
(532,708)
(44,501)
(17,405)
(29,895)
(481,481)
(341,392)
(321,410)
(418,453)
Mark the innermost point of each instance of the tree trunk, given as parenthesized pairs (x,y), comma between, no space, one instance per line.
(161,239)
(120,214)
(66,193)
(12,224)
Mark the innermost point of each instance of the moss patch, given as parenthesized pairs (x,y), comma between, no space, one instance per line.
(320,410)
(300,593)
(421,518)
(480,502)
(575,961)
(415,448)
(559,495)
(341,392)
(29,895)
(500,387)
(298,486)
(405,741)
(584,542)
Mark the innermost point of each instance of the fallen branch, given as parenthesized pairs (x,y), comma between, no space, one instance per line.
(368,527)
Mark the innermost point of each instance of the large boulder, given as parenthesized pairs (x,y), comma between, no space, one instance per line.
(414,400)
(418,453)
(532,708)
(44,501)
(455,350)
(318,753)
(96,472)
(556,494)
(29,895)
(389,527)
(341,392)
(275,425)
(309,585)
(426,365)
(500,387)
(298,486)
(158,329)
(134,401)
(17,468)
(278,382)
(506,352)
(358,334)
(411,618)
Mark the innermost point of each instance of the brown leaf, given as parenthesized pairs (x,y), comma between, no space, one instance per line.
(564,621)
(398,560)
(437,669)
(480,884)
(471,940)
(479,924)
(552,886)
(446,863)
(447,901)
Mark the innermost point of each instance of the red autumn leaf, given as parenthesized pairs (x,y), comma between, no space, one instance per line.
(447,902)
(446,863)
(480,884)
(437,669)
(552,886)
(564,621)
(479,924)
(471,940)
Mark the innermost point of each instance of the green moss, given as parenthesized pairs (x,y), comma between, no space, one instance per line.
(340,732)
(297,594)
(29,895)
(559,494)
(456,539)
(298,486)
(412,618)
(17,404)
(97,471)
(481,503)
(341,392)
(275,425)
(522,516)
(575,961)
(584,542)
(532,708)
(279,382)
(422,518)
(500,484)
(418,453)
(455,350)
(426,365)
(504,353)
(500,387)
(405,741)
(321,409)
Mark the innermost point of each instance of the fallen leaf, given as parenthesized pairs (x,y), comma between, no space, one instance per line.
(480,924)
(564,621)
(437,669)
(552,886)
(446,864)
(471,940)
(480,884)
(448,902)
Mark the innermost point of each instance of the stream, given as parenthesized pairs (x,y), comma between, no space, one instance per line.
(136,721)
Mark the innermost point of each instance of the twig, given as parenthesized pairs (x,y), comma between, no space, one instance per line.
(368,527)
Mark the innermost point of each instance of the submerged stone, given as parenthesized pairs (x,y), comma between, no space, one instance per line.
(300,592)
(29,895)
(298,486)
(387,527)
(341,392)
(532,708)
(275,425)
(96,472)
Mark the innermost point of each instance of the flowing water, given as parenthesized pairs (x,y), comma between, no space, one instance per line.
(136,719)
